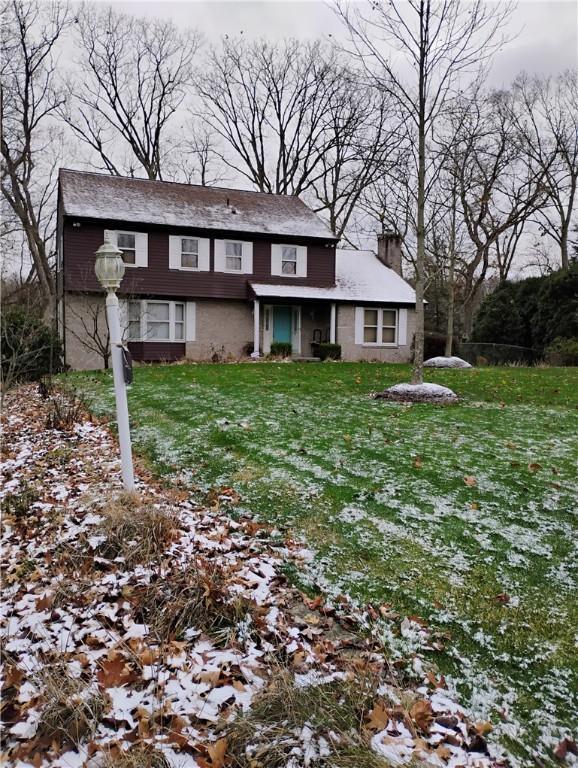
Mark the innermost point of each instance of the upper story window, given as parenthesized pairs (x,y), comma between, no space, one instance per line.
(134,246)
(233,256)
(289,260)
(127,243)
(189,253)
(379,326)
(156,320)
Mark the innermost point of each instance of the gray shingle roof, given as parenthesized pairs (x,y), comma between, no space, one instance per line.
(99,196)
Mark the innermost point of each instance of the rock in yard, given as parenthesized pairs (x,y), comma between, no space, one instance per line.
(418,393)
(446,362)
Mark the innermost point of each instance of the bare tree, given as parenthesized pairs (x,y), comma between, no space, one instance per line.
(88,324)
(363,142)
(269,104)
(196,156)
(546,115)
(133,76)
(439,41)
(498,189)
(293,121)
(29,99)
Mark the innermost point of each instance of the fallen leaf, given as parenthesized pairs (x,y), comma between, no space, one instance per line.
(565,746)
(503,597)
(217,753)
(114,672)
(378,718)
(422,714)
(534,467)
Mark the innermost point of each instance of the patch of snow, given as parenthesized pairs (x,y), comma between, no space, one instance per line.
(426,392)
(446,362)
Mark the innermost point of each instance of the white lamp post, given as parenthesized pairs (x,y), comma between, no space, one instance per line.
(109,268)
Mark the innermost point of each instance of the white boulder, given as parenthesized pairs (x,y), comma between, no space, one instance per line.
(418,393)
(446,362)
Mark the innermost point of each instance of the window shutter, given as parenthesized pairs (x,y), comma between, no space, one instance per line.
(401,327)
(190,321)
(204,254)
(359,325)
(219,255)
(174,252)
(123,318)
(111,236)
(276,265)
(142,251)
(301,261)
(247,258)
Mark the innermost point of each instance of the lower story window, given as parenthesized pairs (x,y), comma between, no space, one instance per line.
(380,326)
(156,321)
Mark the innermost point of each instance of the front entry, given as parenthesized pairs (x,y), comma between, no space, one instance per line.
(282,323)
(282,319)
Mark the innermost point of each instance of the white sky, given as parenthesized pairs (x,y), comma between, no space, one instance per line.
(546,42)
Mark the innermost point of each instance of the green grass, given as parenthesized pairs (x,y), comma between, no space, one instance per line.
(377,491)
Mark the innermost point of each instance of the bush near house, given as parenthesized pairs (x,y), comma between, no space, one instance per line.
(30,348)
(328,351)
(281,349)
(532,313)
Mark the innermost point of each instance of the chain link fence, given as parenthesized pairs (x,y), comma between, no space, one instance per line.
(481,353)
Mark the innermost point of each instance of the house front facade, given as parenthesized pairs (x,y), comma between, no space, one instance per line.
(220,274)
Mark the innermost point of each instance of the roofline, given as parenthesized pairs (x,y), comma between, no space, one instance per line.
(330,237)
(330,240)
(178,183)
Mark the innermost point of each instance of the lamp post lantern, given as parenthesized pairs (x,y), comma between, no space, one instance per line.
(109,268)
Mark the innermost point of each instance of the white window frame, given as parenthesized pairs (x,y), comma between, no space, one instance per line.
(246,257)
(140,243)
(176,253)
(277,260)
(143,336)
(379,342)
(190,253)
(132,234)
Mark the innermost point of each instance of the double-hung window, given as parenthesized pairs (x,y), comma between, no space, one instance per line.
(289,260)
(126,242)
(379,326)
(156,321)
(134,246)
(233,255)
(189,253)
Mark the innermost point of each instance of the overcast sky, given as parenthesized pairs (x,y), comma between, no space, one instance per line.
(547,40)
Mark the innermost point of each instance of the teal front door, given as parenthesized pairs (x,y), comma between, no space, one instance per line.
(282,324)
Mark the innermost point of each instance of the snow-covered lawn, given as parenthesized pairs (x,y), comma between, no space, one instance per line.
(462,515)
(146,630)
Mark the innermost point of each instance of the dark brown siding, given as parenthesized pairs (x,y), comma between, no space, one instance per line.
(81,242)
(154,352)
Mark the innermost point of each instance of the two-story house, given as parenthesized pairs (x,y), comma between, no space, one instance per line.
(213,271)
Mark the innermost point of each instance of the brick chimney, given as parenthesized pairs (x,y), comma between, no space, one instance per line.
(389,250)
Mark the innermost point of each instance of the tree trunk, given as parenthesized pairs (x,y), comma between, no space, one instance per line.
(564,248)
(451,285)
(417,377)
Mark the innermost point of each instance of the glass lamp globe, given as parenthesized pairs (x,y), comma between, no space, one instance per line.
(109,266)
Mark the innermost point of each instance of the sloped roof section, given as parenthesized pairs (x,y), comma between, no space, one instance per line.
(359,276)
(140,201)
